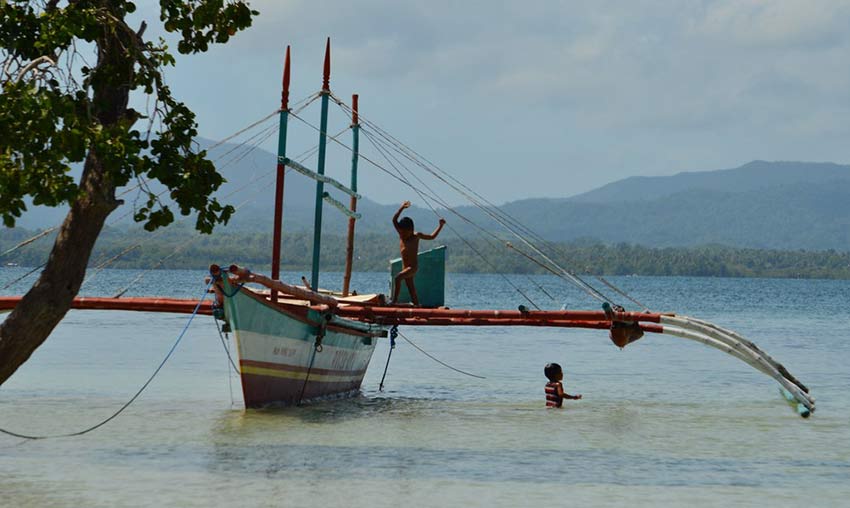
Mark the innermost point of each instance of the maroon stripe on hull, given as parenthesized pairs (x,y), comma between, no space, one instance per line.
(260,391)
(302,369)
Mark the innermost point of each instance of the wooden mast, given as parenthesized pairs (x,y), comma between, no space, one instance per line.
(320,169)
(355,155)
(281,169)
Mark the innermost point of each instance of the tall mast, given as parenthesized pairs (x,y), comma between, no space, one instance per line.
(278,193)
(323,128)
(355,155)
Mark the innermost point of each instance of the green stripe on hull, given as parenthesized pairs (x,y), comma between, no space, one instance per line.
(247,314)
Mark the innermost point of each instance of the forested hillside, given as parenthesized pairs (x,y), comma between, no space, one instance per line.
(179,249)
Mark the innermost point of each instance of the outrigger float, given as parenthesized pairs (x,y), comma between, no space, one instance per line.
(297,344)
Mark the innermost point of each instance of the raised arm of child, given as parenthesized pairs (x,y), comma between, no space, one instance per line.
(436,232)
(404,205)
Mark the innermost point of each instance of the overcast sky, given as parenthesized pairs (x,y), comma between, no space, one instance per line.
(549,99)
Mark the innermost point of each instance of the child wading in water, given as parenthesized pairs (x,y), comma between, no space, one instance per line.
(409,245)
(555,394)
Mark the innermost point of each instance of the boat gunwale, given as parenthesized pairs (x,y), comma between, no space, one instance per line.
(300,313)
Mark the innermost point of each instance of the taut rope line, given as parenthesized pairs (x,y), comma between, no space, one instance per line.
(134,397)
(452,229)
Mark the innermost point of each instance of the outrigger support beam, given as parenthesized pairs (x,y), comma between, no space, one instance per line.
(683,327)
(668,324)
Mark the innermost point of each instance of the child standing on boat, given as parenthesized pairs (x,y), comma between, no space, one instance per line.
(555,394)
(409,245)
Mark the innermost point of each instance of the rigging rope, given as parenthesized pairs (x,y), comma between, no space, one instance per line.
(446,206)
(506,223)
(301,157)
(622,293)
(134,397)
(24,276)
(29,240)
(237,133)
(562,272)
(452,229)
(52,229)
(493,211)
(180,248)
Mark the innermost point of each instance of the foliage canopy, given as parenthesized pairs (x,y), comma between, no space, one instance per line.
(56,109)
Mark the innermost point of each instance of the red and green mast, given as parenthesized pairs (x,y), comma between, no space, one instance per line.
(281,169)
(355,155)
(320,169)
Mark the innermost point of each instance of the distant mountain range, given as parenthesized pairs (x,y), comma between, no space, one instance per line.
(779,205)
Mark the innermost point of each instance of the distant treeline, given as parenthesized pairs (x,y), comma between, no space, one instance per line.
(182,248)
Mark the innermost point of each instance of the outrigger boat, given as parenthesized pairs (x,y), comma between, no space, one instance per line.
(296,343)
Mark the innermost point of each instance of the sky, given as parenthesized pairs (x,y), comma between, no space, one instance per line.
(524,99)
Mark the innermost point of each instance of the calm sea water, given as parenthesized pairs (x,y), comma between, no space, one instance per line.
(663,422)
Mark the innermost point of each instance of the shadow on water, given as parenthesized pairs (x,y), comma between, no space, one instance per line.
(326,414)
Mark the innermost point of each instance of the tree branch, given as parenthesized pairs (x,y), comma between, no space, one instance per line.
(34,64)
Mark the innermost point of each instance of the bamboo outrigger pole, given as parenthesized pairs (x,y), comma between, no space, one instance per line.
(355,155)
(320,169)
(281,169)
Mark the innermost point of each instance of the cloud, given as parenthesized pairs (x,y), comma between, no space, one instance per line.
(785,24)
(604,83)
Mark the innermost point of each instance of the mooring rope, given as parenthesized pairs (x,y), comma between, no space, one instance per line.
(393,336)
(224,342)
(444,364)
(316,348)
(134,397)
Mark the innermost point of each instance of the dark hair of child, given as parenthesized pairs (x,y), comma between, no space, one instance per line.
(551,370)
(405,223)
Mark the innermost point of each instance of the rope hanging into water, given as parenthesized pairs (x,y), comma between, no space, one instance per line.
(316,348)
(134,397)
(224,342)
(393,336)
(444,364)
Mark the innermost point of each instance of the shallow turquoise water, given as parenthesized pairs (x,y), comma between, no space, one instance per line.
(663,422)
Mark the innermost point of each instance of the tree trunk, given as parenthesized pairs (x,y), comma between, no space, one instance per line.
(47,302)
(49,299)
